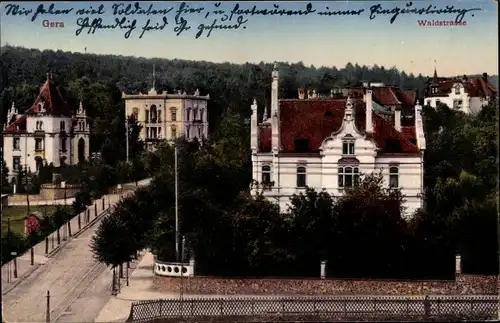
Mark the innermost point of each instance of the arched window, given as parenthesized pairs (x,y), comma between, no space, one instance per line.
(154,113)
(348,176)
(266,174)
(195,114)
(301,176)
(159,116)
(393,176)
(62,125)
(201,115)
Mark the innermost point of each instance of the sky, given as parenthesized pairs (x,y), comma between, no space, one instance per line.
(314,39)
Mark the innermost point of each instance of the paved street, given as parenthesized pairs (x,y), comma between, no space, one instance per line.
(79,287)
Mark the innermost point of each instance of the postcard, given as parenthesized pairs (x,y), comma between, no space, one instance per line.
(157,155)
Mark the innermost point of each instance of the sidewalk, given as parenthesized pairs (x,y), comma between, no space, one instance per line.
(68,201)
(43,252)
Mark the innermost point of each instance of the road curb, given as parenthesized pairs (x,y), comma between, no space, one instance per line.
(55,251)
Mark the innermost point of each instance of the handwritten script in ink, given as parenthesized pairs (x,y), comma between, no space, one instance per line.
(204,19)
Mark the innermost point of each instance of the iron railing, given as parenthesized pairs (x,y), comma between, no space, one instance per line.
(331,308)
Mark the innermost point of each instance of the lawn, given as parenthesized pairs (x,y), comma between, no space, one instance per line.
(18,213)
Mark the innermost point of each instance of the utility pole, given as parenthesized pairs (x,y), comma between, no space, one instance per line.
(47,314)
(126,137)
(176,206)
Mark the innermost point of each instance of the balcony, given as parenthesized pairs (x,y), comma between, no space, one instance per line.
(39,133)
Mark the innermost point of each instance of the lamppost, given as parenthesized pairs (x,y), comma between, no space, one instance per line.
(26,181)
(176,205)
(63,185)
(65,228)
(126,137)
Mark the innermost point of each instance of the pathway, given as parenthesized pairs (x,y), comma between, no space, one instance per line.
(70,273)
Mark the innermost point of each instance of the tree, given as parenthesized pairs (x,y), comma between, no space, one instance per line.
(111,244)
(82,201)
(5,186)
(368,219)
(311,224)
(61,215)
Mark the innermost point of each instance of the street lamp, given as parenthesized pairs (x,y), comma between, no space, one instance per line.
(176,205)
(63,185)
(26,181)
(126,137)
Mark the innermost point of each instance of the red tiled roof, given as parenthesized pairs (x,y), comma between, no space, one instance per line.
(409,132)
(388,95)
(474,86)
(316,119)
(17,127)
(265,138)
(54,104)
(408,97)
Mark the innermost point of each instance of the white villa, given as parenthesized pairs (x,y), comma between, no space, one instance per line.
(47,132)
(466,94)
(326,142)
(167,116)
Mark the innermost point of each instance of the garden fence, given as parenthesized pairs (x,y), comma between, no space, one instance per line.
(316,308)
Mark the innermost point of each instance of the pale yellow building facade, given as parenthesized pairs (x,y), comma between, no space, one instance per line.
(168,115)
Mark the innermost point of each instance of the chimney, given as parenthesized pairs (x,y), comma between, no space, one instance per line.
(369,108)
(397,119)
(485,76)
(302,94)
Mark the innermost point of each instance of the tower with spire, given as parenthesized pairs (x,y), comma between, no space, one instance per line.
(81,135)
(49,131)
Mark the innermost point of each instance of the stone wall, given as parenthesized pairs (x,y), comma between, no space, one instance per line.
(463,285)
(56,192)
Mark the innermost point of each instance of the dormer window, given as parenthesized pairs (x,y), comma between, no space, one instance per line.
(457,89)
(301,145)
(348,147)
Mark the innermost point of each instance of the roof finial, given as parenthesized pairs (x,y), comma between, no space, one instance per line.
(435,71)
(349,102)
(81,105)
(154,76)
